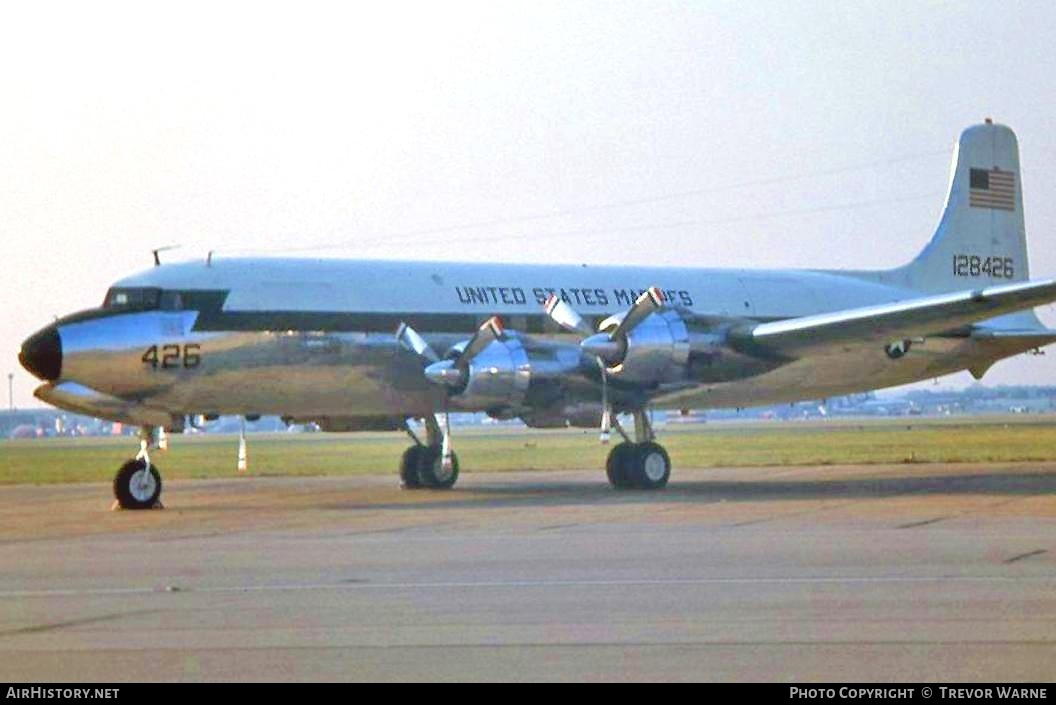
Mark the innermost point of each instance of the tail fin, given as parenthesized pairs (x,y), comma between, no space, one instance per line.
(981,239)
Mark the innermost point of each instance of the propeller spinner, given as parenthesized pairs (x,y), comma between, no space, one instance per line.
(451,372)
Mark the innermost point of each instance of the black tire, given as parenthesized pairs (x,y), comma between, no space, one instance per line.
(431,473)
(649,467)
(409,468)
(136,496)
(617,465)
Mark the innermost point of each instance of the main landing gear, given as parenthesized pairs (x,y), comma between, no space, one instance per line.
(641,465)
(137,484)
(432,464)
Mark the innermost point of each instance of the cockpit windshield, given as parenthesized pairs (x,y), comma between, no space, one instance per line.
(140,299)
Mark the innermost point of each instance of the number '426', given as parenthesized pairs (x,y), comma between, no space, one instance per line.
(171,357)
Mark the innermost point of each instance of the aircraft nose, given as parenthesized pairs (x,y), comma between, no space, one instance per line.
(41,354)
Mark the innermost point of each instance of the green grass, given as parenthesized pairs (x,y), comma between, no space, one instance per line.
(63,460)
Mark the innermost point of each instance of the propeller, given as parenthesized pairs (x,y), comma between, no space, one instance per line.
(608,348)
(451,372)
(611,346)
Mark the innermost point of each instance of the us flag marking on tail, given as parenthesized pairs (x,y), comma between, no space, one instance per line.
(992,188)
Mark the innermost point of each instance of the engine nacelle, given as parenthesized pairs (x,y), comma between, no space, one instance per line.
(496,377)
(656,351)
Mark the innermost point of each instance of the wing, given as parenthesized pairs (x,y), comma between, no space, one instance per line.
(929,315)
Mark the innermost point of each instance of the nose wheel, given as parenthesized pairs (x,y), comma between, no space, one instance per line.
(137,484)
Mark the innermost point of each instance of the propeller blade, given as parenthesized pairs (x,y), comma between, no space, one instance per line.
(561,313)
(489,331)
(650,301)
(408,337)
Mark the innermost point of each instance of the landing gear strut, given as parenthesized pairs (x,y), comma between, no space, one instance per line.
(641,465)
(431,464)
(137,484)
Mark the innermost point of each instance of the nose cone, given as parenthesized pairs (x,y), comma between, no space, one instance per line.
(42,354)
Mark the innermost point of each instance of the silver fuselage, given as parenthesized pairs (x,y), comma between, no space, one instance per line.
(315,338)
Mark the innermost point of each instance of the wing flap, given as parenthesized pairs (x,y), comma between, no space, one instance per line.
(929,315)
(1042,336)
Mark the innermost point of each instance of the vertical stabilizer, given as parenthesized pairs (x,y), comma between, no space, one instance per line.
(981,238)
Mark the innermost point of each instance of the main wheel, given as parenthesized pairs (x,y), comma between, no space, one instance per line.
(431,470)
(409,463)
(650,467)
(135,488)
(617,465)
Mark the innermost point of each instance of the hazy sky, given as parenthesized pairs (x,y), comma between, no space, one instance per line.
(776,134)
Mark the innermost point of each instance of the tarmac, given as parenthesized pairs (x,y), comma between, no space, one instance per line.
(912,572)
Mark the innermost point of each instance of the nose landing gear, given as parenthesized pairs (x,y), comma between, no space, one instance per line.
(137,484)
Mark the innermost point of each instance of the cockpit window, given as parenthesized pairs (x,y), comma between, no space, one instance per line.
(145,299)
(171,301)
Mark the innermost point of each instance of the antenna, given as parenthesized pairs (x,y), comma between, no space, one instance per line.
(166,248)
